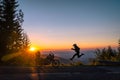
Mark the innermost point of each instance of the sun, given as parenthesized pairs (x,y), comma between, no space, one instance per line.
(32,49)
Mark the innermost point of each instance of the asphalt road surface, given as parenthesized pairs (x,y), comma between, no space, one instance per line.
(61,73)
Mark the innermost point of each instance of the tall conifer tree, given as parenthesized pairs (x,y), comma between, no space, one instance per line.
(12,35)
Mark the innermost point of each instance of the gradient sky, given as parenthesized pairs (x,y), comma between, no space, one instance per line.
(57,24)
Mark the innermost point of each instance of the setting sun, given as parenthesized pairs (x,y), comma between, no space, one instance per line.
(32,49)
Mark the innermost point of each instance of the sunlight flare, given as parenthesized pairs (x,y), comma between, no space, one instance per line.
(32,49)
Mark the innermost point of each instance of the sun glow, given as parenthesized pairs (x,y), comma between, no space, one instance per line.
(32,49)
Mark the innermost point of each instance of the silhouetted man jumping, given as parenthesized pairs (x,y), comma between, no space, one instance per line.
(77,50)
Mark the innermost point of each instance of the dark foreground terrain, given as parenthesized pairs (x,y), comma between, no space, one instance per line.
(61,73)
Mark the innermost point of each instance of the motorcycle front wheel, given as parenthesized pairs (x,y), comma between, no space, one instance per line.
(56,63)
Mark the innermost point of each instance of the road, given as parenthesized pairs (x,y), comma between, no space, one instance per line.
(61,73)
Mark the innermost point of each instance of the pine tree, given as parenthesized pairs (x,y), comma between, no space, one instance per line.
(10,25)
(0,15)
(0,11)
(2,31)
(13,39)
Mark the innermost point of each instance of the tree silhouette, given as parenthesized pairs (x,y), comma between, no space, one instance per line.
(119,46)
(108,54)
(118,55)
(12,36)
(0,12)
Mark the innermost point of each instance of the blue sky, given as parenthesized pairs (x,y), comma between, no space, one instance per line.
(60,23)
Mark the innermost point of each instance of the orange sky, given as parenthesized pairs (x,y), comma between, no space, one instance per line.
(68,45)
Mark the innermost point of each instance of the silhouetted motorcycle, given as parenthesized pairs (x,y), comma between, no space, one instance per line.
(50,60)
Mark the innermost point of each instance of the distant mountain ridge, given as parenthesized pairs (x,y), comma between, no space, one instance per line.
(65,55)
